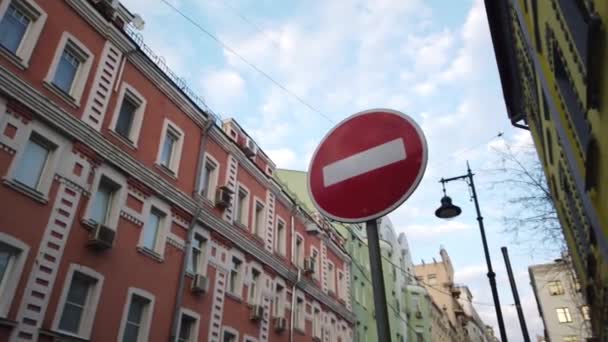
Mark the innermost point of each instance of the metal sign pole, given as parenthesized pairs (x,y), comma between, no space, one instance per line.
(375,260)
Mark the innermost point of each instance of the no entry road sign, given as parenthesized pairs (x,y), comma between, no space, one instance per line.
(367,165)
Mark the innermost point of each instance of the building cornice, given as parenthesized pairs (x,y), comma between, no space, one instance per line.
(77,130)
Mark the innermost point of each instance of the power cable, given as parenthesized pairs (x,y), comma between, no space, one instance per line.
(246,61)
(250,22)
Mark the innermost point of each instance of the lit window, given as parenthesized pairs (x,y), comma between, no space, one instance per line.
(555,288)
(586,313)
(254,286)
(75,308)
(209,179)
(242,202)
(187,328)
(281,237)
(197,260)
(563,315)
(13,27)
(151,231)
(234,282)
(279,301)
(258,223)
(137,319)
(31,166)
(571,338)
(102,203)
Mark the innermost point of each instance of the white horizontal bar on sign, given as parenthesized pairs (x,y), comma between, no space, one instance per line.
(364,161)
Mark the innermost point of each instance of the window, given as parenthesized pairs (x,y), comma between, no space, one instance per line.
(563,315)
(78,302)
(363,296)
(356,292)
(432,279)
(169,154)
(279,301)
(137,316)
(299,313)
(210,174)
(13,26)
(258,223)
(331,277)
(586,313)
(316,260)
(299,252)
(34,159)
(341,285)
(151,232)
(242,206)
(102,202)
(281,237)
(229,336)
(128,115)
(234,282)
(69,69)
(125,117)
(254,286)
(316,323)
(419,336)
(188,327)
(198,257)
(13,254)
(555,288)
(21,22)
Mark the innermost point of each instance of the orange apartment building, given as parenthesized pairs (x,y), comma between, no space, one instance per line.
(129,212)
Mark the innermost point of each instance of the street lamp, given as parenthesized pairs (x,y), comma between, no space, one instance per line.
(448,210)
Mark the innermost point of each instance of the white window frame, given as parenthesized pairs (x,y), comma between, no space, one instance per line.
(317,321)
(82,73)
(214,181)
(280,245)
(240,275)
(88,315)
(280,302)
(126,90)
(197,321)
(341,284)
(300,319)
(8,285)
(261,230)
(567,315)
(229,330)
(164,227)
(244,211)
(37,17)
(203,262)
(316,275)
(248,338)
(176,154)
(144,331)
(331,277)
(257,296)
(298,256)
(118,199)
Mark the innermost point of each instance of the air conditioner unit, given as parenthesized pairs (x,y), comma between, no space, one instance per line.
(223,197)
(280,324)
(200,283)
(309,265)
(256,313)
(101,237)
(418,314)
(107,7)
(250,148)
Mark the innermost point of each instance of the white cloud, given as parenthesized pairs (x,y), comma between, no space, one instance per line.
(427,231)
(284,158)
(223,88)
(470,273)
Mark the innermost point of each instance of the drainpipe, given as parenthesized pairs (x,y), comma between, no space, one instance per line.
(179,296)
(293,305)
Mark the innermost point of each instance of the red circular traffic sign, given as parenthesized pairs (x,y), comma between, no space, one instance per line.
(367,165)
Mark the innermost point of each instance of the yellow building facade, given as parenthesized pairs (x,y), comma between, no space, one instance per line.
(552,58)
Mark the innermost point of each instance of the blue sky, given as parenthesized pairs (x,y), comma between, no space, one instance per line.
(430,59)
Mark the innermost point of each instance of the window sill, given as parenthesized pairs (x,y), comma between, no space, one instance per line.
(26,190)
(63,336)
(13,58)
(5,322)
(234,297)
(167,171)
(126,141)
(299,331)
(241,226)
(65,97)
(151,254)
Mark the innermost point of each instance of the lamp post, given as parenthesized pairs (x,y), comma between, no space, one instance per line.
(449,210)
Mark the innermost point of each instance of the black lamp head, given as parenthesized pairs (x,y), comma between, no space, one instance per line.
(447,209)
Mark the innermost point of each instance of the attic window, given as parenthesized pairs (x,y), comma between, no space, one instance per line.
(268,170)
(232,133)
